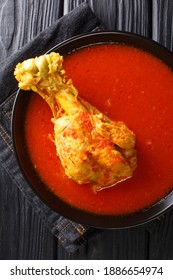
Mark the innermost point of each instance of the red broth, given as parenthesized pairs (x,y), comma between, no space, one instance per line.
(126,84)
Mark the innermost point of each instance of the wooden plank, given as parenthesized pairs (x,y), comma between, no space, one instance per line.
(30,18)
(133,16)
(7,23)
(22,233)
(162,23)
(160,238)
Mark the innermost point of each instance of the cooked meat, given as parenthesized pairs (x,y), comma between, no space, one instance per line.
(92,148)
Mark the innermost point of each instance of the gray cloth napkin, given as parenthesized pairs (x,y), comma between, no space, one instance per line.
(71,234)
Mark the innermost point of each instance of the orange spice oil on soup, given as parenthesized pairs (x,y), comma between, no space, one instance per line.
(126,84)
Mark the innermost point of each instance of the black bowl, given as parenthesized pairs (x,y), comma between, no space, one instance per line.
(19,109)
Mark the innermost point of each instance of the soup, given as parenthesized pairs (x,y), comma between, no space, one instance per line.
(126,84)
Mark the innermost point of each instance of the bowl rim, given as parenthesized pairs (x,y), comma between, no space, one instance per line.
(56,204)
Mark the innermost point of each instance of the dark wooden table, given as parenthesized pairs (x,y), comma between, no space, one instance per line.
(23,234)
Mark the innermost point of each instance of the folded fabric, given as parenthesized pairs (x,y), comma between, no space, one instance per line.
(71,234)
